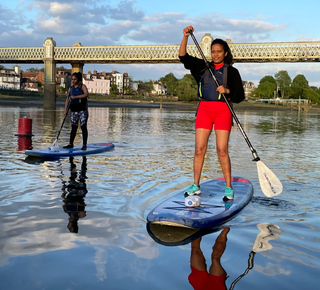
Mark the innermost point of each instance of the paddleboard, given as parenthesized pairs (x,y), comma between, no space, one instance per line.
(212,212)
(66,152)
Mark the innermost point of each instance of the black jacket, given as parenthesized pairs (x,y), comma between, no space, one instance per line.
(197,67)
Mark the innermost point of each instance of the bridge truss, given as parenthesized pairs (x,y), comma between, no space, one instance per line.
(242,52)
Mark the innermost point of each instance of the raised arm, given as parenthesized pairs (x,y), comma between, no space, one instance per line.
(184,41)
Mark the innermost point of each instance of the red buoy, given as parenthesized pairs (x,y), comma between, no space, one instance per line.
(25,127)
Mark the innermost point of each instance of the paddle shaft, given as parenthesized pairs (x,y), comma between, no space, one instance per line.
(250,266)
(253,151)
(68,107)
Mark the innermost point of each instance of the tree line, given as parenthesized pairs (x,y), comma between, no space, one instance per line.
(280,86)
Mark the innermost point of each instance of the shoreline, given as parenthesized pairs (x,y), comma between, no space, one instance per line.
(20,101)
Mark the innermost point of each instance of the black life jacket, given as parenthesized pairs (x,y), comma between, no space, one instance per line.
(78,104)
(207,89)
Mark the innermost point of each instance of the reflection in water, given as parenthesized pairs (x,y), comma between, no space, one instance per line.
(24,143)
(73,194)
(49,120)
(200,277)
(268,231)
(145,167)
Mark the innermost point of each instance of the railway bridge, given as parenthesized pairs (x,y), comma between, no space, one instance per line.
(77,55)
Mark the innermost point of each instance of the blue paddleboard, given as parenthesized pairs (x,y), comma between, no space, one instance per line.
(212,212)
(66,152)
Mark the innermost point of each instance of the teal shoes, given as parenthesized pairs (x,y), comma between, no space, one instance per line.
(193,190)
(228,194)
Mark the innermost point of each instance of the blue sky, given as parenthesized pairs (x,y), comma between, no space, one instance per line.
(96,22)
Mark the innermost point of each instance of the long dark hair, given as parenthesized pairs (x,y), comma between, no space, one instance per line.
(229,58)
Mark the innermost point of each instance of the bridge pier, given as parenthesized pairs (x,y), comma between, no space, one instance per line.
(77,67)
(205,45)
(49,94)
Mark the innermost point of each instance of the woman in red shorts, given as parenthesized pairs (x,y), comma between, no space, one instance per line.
(213,112)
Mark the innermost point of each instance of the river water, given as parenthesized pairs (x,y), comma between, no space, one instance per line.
(108,246)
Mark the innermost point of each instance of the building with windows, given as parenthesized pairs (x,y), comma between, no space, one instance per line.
(158,88)
(97,83)
(248,88)
(10,78)
(63,78)
(100,83)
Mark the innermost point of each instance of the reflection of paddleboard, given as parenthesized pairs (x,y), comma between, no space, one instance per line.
(175,236)
(212,212)
(66,152)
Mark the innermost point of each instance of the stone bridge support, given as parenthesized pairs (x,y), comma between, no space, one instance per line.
(205,45)
(49,95)
(77,66)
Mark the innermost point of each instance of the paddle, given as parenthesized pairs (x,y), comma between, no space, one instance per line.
(268,231)
(55,147)
(269,182)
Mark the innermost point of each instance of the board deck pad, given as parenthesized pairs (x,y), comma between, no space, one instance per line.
(93,148)
(212,212)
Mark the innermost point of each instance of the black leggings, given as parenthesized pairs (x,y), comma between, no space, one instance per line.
(73,134)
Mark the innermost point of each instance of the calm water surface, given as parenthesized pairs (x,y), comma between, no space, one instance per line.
(112,193)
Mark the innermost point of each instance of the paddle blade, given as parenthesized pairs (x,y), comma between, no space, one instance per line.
(269,182)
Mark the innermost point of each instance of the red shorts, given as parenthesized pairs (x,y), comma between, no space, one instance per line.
(213,112)
(202,280)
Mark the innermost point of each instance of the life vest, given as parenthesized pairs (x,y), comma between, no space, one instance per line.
(79,104)
(207,89)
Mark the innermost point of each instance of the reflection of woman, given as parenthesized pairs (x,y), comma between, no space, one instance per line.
(73,195)
(200,278)
(77,95)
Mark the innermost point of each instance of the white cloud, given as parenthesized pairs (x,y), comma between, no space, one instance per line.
(60,8)
(126,10)
(253,26)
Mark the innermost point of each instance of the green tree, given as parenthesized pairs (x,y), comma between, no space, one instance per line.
(298,86)
(187,88)
(127,90)
(284,82)
(312,95)
(63,89)
(266,87)
(171,82)
(113,89)
(32,69)
(269,79)
(145,87)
